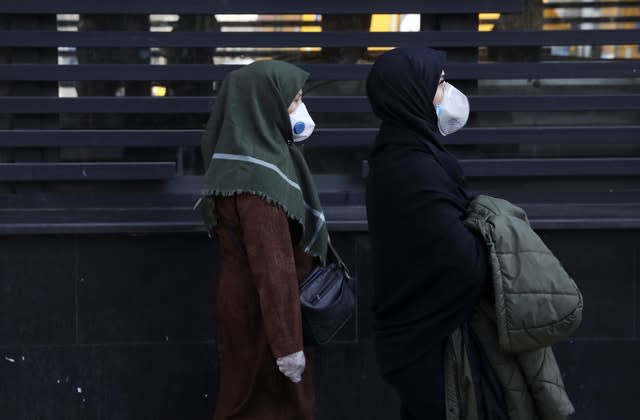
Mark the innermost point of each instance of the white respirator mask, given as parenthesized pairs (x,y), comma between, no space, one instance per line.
(301,123)
(452,111)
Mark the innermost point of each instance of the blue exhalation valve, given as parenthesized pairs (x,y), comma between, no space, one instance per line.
(298,127)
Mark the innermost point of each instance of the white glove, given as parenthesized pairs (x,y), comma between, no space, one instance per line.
(292,365)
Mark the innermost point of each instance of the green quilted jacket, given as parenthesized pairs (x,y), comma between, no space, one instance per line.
(535,304)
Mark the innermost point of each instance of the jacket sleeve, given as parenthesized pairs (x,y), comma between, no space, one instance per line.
(266,235)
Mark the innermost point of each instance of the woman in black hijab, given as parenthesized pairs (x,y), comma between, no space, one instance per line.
(429,270)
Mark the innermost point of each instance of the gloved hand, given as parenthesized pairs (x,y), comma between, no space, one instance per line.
(292,365)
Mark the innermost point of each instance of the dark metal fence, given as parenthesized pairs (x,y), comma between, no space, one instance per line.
(89,156)
(521,126)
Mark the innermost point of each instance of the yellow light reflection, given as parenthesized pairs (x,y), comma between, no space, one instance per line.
(159,91)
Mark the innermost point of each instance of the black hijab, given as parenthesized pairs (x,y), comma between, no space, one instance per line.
(429,270)
(401,87)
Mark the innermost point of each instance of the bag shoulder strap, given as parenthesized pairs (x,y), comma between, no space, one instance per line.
(236,239)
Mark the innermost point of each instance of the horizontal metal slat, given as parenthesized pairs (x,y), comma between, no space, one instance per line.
(595,4)
(548,103)
(579,20)
(99,138)
(158,138)
(547,135)
(327,137)
(475,71)
(86,171)
(161,73)
(181,105)
(349,219)
(315,39)
(156,216)
(473,168)
(257,6)
(609,135)
(551,70)
(53,105)
(575,167)
(73,221)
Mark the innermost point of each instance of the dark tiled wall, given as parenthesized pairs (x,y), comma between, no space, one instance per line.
(100,327)
(123,327)
(601,362)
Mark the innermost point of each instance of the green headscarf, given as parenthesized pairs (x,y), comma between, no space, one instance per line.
(248,148)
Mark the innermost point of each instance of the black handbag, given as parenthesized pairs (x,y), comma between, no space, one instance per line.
(327,300)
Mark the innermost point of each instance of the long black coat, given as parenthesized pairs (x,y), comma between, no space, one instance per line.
(429,270)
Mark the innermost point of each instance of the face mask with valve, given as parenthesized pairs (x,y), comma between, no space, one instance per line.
(301,123)
(452,111)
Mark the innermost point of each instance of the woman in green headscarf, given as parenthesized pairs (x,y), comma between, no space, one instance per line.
(259,195)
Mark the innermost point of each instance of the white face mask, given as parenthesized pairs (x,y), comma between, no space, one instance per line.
(301,123)
(452,111)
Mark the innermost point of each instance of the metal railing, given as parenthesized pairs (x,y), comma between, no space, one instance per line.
(559,124)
